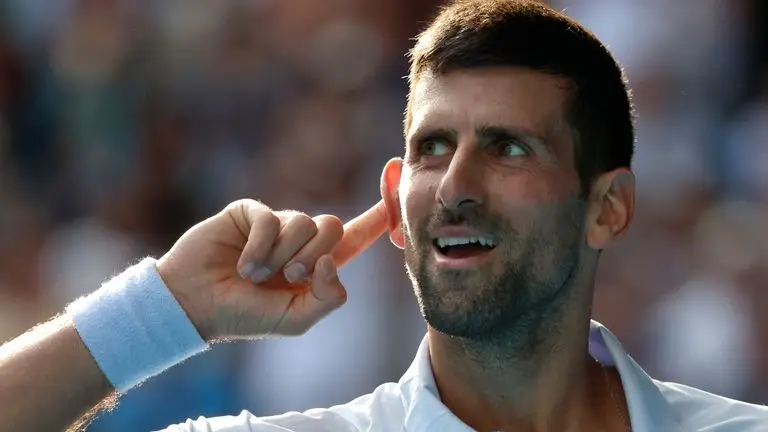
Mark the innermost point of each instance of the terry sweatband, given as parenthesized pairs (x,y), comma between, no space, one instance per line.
(134,327)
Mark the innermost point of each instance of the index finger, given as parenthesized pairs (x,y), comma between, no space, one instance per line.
(361,232)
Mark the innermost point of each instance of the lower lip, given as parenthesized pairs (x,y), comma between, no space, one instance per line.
(446,262)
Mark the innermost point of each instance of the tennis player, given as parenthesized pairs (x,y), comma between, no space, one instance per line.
(516,175)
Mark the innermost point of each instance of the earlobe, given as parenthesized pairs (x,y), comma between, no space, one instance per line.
(390,183)
(611,208)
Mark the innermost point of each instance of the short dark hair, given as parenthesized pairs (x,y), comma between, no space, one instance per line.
(470,34)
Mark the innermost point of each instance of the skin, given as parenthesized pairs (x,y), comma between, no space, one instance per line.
(210,270)
(233,272)
(491,150)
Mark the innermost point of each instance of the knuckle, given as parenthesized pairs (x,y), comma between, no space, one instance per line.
(340,299)
(247,204)
(270,221)
(235,205)
(303,223)
(286,215)
(247,213)
(331,225)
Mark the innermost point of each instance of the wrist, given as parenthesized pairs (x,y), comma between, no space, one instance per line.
(134,327)
(175,283)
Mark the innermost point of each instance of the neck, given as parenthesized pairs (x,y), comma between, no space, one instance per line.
(538,376)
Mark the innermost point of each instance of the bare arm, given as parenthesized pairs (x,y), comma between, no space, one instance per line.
(49,379)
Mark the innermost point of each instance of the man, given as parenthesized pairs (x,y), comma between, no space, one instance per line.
(516,175)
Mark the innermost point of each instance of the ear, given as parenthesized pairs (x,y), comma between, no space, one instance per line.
(611,207)
(390,184)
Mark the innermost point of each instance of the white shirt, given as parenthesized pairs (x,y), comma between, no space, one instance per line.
(413,404)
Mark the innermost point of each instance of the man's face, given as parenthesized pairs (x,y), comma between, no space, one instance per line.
(489,161)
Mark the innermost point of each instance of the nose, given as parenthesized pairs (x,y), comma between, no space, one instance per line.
(463,182)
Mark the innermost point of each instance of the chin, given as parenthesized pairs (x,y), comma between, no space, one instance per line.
(462,326)
(446,281)
(459,308)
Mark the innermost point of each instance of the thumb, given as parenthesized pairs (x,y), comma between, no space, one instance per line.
(326,294)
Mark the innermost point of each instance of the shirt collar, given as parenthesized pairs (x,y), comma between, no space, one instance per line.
(648,409)
(424,410)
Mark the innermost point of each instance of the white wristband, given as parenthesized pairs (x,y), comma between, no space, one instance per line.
(134,327)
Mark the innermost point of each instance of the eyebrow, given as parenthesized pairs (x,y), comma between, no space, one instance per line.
(490,133)
(484,133)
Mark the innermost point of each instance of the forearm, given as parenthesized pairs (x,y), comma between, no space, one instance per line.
(48,378)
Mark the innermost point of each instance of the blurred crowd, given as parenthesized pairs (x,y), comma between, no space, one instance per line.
(124,122)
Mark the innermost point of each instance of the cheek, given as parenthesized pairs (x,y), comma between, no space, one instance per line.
(417,196)
(530,201)
(535,188)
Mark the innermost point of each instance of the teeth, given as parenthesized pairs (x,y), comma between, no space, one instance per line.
(453,241)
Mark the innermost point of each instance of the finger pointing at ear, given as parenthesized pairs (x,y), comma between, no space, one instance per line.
(360,233)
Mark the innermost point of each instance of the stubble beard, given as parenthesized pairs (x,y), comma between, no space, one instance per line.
(515,311)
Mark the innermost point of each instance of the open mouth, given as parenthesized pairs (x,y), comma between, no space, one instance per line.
(463,247)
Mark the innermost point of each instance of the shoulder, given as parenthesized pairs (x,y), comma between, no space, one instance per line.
(697,409)
(380,410)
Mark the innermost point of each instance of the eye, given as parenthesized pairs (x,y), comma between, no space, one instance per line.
(511,149)
(433,147)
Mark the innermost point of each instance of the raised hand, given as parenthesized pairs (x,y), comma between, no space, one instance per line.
(251,272)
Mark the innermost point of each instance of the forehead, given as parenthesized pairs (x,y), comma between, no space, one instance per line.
(523,98)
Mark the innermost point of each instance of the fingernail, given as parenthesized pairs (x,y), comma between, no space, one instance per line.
(260,274)
(294,272)
(246,270)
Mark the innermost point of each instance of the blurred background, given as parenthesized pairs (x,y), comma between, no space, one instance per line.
(124,122)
